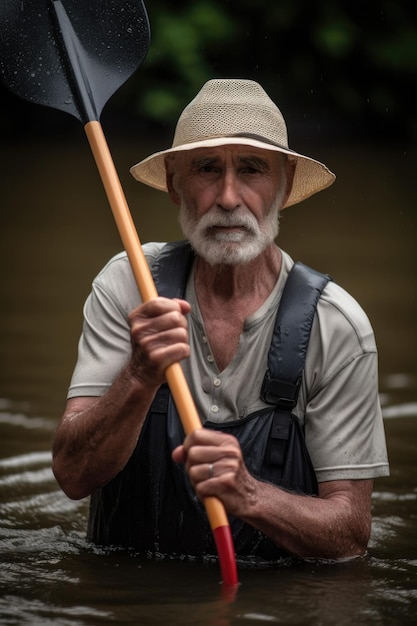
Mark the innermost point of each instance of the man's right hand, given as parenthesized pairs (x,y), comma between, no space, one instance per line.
(159,331)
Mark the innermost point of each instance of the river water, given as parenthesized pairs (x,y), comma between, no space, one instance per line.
(56,232)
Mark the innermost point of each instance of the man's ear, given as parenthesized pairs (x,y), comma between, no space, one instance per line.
(291,165)
(173,194)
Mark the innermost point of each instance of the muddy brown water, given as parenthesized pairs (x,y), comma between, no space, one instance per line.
(56,232)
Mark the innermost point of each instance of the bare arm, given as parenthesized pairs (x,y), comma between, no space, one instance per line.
(334,525)
(96,436)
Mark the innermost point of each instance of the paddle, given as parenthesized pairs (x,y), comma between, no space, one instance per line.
(73,55)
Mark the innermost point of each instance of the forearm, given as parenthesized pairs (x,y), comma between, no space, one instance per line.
(96,437)
(333,525)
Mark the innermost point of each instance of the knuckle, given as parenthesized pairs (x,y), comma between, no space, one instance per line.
(177,319)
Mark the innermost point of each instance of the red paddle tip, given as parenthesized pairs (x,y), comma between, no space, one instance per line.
(226,552)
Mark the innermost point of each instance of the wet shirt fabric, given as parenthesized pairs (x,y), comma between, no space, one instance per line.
(338,405)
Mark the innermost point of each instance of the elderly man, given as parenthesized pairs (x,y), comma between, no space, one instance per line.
(230,171)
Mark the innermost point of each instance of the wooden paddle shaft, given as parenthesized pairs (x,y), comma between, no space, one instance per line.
(130,239)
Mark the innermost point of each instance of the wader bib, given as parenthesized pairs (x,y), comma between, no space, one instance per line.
(150,506)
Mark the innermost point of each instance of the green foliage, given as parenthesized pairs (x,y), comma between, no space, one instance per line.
(335,37)
(178,60)
(397,51)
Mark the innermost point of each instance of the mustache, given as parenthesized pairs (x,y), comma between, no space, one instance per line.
(240,218)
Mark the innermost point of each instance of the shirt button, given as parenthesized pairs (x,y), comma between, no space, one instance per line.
(210,358)
(204,338)
(214,408)
(217,382)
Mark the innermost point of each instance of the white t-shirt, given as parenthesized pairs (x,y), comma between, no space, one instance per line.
(338,402)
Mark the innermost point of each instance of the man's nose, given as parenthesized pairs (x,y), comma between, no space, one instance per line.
(229,191)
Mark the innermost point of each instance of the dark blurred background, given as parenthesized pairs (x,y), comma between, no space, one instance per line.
(335,67)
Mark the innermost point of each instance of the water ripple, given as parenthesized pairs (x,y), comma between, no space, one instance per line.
(408,409)
(39,613)
(29,423)
(25,460)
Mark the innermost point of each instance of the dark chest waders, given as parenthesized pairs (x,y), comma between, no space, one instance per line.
(150,505)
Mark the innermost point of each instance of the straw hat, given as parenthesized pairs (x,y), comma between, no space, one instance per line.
(235,111)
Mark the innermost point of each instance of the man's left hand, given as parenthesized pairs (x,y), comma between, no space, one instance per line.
(215,466)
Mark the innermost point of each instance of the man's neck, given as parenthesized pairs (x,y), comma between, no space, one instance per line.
(227,295)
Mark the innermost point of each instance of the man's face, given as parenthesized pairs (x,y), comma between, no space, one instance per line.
(229,200)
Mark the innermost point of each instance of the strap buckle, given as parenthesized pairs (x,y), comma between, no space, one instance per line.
(281,394)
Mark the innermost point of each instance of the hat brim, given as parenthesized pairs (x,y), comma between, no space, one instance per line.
(310,175)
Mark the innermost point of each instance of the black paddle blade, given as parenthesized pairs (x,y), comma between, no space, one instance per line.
(71,55)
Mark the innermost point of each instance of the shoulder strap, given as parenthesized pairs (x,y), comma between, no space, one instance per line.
(171,269)
(287,354)
(291,336)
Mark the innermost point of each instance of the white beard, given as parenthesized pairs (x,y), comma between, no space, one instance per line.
(234,247)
